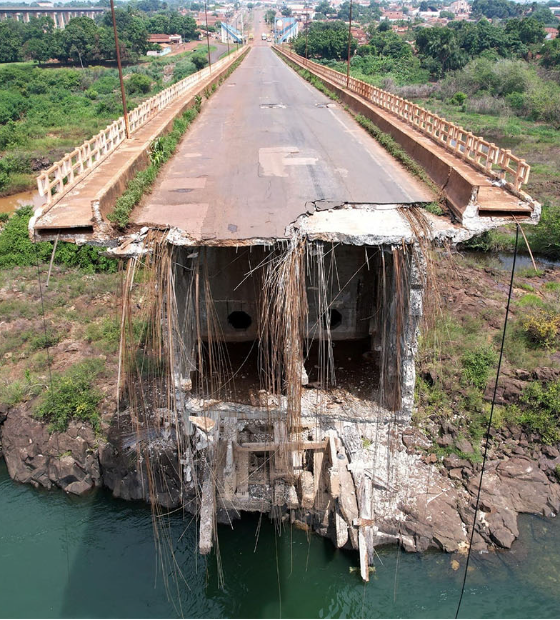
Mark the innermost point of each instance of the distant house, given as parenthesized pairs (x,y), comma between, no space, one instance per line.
(359,34)
(551,33)
(460,7)
(399,29)
(393,16)
(165,39)
(212,19)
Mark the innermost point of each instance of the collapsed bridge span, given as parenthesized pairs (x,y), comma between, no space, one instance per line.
(277,276)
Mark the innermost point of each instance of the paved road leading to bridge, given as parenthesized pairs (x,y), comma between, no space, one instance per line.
(265,148)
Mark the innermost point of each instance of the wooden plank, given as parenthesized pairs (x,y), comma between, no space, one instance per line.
(207,511)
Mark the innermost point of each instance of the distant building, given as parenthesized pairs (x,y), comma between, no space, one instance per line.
(551,33)
(165,39)
(394,16)
(460,7)
(161,52)
(360,35)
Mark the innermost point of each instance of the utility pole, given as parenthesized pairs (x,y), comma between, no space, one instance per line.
(349,41)
(207,34)
(117,49)
(306,35)
(227,36)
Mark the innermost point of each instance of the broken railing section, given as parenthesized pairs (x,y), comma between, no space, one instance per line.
(220,432)
(63,175)
(486,156)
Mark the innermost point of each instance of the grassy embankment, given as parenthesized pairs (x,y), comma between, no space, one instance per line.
(78,334)
(44,112)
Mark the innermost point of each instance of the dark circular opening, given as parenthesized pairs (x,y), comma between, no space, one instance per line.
(239,320)
(332,319)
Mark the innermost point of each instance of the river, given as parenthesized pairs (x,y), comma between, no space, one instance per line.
(64,556)
(8,204)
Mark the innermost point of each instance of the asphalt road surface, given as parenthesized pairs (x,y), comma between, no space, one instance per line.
(266,147)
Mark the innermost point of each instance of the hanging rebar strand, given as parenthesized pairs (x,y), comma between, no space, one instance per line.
(284,313)
(118,53)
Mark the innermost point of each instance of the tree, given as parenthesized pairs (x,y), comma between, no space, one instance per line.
(324,7)
(544,15)
(439,50)
(551,54)
(501,9)
(286,11)
(79,40)
(527,30)
(270,16)
(327,40)
(11,41)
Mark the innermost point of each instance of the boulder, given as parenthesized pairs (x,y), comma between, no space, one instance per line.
(414,438)
(463,445)
(545,374)
(33,455)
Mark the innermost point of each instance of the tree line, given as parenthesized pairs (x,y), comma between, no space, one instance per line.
(85,41)
(438,49)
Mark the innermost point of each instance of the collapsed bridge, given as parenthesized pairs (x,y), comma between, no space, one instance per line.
(277,276)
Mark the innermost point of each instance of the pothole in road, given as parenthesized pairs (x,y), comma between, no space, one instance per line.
(265,106)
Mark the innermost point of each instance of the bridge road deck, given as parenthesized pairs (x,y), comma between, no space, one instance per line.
(266,147)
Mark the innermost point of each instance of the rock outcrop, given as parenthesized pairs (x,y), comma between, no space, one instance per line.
(68,460)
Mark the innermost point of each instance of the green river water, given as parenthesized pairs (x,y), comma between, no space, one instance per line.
(63,556)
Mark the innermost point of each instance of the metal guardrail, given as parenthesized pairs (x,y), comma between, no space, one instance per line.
(480,153)
(63,175)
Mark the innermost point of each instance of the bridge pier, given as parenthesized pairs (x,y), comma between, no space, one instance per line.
(287,362)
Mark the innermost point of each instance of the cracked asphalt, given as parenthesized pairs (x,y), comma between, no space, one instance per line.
(264,149)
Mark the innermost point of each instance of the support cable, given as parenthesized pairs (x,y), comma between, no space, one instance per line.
(49,365)
(477,503)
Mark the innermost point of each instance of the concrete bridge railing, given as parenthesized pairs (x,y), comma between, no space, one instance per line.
(63,175)
(480,153)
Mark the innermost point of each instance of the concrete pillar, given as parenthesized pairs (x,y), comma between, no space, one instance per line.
(26,17)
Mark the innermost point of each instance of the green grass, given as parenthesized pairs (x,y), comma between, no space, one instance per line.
(62,107)
(17,249)
(72,395)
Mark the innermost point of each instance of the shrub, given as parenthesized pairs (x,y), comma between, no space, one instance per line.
(542,327)
(477,364)
(72,396)
(138,83)
(17,249)
(545,237)
(4,180)
(183,69)
(541,409)
(12,106)
(458,98)
(488,105)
